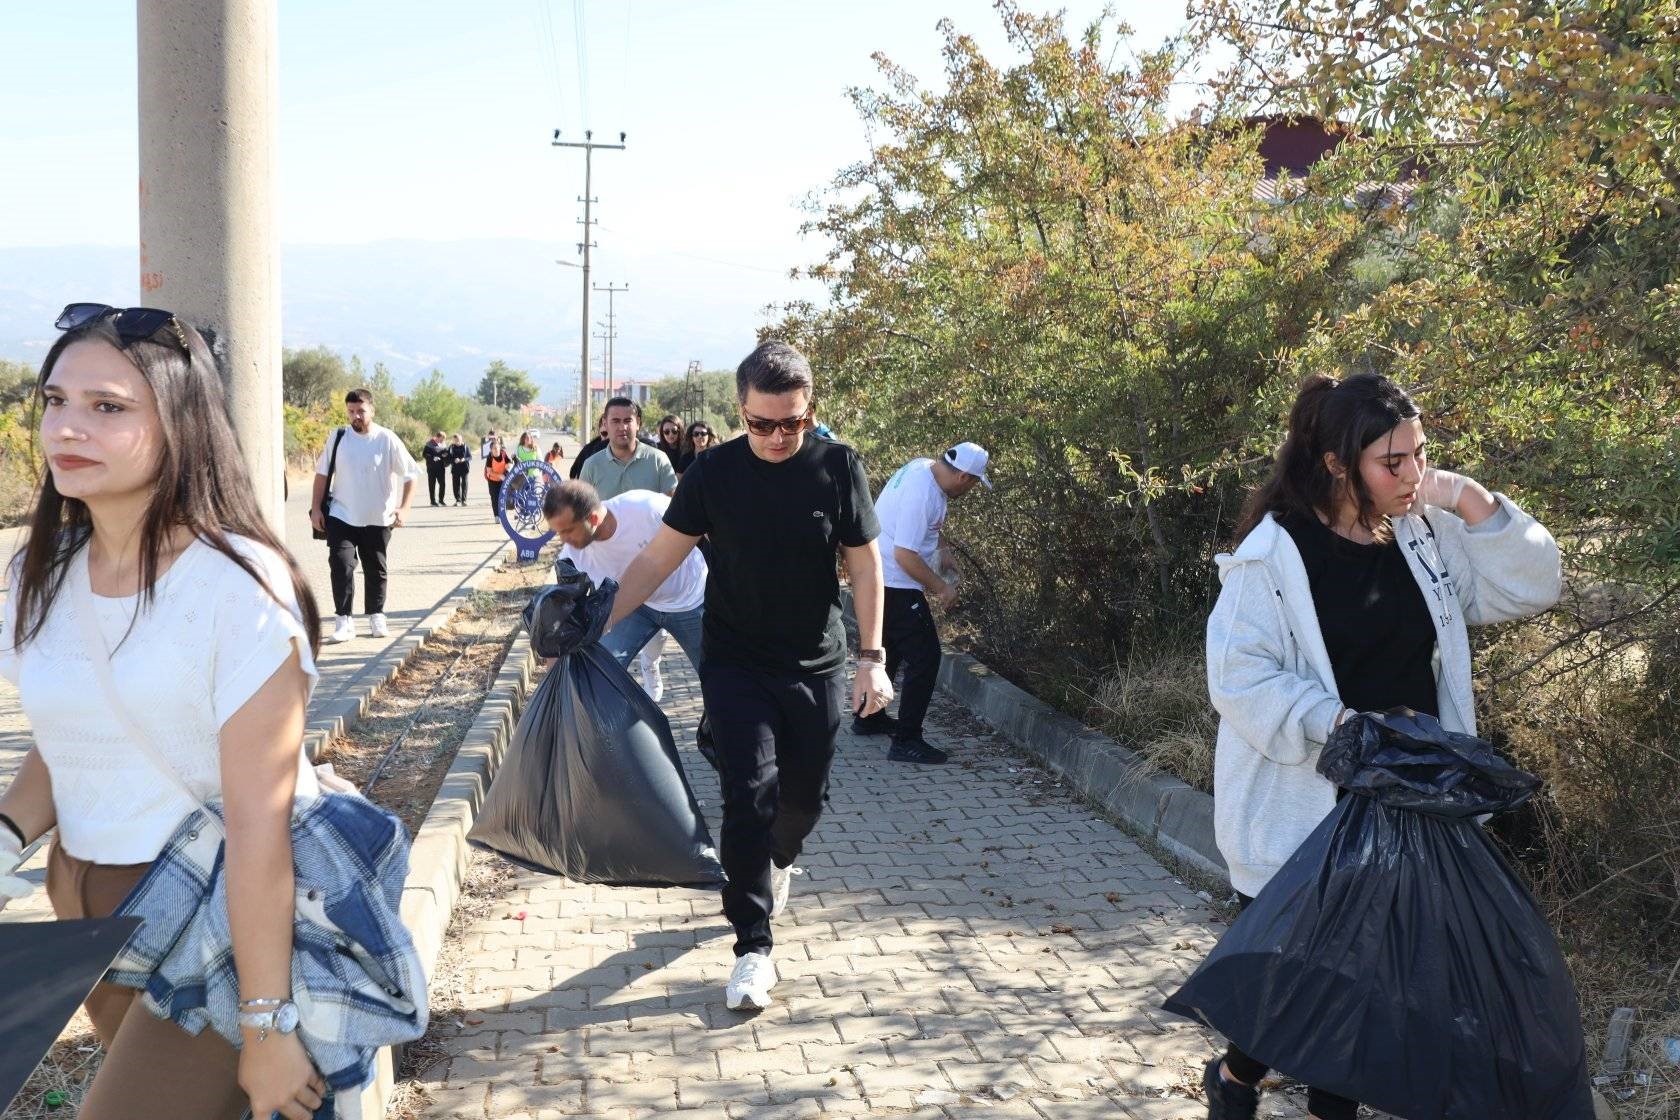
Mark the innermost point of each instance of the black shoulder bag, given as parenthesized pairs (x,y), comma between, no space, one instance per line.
(326,496)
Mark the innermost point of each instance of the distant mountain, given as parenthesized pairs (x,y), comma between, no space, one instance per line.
(450,305)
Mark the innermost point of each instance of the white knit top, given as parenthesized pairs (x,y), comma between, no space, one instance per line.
(211,638)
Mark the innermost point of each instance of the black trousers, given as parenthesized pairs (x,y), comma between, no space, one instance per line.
(460,480)
(495,497)
(912,641)
(1320,1103)
(345,545)
(774,736)
(435,482)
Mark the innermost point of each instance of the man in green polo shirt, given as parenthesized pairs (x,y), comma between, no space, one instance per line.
(628,464)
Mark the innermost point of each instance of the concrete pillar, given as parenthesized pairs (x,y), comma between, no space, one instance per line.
(208,248)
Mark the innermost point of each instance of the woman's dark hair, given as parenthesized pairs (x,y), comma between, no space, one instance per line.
(214,502)
(1341,418)
(688,436)
(773,369)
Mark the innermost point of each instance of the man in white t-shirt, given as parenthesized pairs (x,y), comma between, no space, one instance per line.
(914,565)
(371,488)
(603,537)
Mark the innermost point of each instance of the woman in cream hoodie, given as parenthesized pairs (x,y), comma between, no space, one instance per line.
(1358,567)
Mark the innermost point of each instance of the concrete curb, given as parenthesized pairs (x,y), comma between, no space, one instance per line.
(348,711)
(1173,814)
(437,860)
(1155,806)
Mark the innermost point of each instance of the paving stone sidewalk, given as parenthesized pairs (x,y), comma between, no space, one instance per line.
(967,941)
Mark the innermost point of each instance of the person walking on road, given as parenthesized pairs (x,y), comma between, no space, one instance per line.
(372,483)
(628,463)
(1336,601)
(460,459)
(436,453)
(602,538)
(670,438)
(914,565)
(592,448)
(555,456)
(139,556)
(779,506)
(696,439)
(527,449)
(496,467)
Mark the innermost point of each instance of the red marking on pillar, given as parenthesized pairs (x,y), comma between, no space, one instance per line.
(151,281)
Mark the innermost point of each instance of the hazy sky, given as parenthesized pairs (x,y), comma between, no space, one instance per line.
(431,119)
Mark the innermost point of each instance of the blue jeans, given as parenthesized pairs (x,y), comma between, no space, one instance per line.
(634,631)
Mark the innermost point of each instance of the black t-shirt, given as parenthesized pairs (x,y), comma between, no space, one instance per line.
(459,456)
(1375,620)
(435,454)
(773,595)
(589,449)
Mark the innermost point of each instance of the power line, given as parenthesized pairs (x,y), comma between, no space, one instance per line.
(582,60)
(612,325)
(550,48)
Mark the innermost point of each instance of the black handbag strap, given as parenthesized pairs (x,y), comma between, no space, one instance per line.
(332,461)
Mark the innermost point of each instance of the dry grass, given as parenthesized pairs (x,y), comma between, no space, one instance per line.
(1158,707)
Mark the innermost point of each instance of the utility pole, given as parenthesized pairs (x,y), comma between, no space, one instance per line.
(612,325)
(695,383)
(208,251)
(588,145)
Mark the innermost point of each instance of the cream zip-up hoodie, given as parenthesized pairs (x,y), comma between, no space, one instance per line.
(1270,679)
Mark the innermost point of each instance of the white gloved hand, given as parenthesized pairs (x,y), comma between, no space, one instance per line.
(1441,489)
(11,854)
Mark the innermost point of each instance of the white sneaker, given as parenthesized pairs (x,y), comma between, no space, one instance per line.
(377,627)
(750,983)
(345,630)
(652,679)
(781,881)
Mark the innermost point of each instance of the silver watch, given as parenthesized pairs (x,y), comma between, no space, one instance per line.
(281,1019)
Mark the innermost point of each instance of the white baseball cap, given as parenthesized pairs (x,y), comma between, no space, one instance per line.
(970,458)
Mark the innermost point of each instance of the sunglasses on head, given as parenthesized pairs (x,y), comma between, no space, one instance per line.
(792,426)
(132,324)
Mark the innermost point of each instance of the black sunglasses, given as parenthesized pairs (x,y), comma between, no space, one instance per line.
(793,425)
(132,324)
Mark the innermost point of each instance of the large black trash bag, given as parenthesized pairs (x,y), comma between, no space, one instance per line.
(1396,958)
(591,787)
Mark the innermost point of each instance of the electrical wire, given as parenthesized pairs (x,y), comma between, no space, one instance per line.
(551,51)
(579,35)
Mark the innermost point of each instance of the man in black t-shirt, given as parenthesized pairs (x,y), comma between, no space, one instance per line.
(777,506)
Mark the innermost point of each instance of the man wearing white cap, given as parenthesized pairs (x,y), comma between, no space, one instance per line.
(915,565)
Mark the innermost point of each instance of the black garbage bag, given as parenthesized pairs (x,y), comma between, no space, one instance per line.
(1396,958)
(591,787)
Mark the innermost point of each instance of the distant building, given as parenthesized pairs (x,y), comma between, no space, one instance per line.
(1291,145)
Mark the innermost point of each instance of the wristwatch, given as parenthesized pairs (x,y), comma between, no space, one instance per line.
(879,656)
(280,1016)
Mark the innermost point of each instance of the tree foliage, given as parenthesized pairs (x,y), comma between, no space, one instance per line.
(710,397)
(311,375)
(436,405)
(506,387)
(1036,258)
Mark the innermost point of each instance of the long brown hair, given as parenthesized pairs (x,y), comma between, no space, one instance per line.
(201,485)
(1341,418)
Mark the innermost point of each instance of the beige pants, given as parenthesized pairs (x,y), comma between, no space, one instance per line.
(153,1070)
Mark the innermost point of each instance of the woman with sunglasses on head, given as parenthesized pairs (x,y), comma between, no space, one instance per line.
(137,554)
(1356,570)
(696,440)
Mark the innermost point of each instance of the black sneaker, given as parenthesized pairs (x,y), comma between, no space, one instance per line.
(915,750)
(878,724)
(1228,1100)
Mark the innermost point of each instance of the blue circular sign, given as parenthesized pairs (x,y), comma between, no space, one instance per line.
(521,511)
